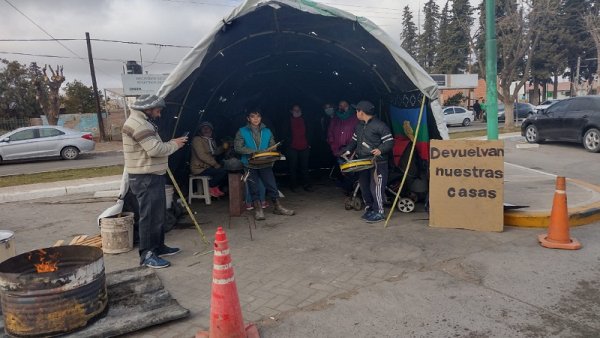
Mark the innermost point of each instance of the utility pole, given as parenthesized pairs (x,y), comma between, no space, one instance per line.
(491,70)
(95,87)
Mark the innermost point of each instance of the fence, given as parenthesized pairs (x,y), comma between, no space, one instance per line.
(8,124)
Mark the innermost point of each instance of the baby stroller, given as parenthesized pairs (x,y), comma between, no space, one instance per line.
(415,187)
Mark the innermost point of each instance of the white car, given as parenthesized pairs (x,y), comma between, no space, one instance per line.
(545,105)
(44,141)
(458,115)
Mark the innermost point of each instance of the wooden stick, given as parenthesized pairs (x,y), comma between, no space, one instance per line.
(81,239)
(273,147)
(74,240)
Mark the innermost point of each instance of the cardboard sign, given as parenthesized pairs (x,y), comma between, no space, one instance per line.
(466,186)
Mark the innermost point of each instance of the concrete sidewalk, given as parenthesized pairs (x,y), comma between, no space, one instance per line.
(59,188)
(523,187)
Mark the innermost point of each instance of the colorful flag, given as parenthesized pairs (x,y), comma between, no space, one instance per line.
(404,127)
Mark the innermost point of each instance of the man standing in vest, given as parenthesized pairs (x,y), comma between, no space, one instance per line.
(146,162)
(372,138)
(253,138)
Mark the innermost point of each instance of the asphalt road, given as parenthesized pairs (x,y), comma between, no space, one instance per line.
(559,158)
(91,160)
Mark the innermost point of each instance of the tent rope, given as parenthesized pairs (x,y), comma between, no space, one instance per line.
(412,150)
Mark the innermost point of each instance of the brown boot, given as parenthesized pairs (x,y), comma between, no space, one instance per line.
(259,215)
(278,209)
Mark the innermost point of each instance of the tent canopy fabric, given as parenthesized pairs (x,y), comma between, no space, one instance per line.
(271,54)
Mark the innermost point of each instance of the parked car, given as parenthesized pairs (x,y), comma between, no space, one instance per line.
(521,111)
(44,141)
(576,120)
(458,115)
(545,105)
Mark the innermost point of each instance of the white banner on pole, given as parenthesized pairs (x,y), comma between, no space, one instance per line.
(142,84)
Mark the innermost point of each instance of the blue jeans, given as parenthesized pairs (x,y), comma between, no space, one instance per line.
(268,179)
(217,175)
(149,191)
(261,192)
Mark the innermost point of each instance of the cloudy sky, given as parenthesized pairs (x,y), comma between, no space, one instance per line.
(174,22)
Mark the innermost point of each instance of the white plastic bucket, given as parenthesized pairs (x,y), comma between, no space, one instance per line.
(117,233)
(7,245)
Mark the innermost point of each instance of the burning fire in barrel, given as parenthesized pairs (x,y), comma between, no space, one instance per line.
(52,291)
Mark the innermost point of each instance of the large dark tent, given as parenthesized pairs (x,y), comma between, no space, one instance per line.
(271,54)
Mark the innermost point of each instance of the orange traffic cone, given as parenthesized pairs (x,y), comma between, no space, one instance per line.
(558,231)
(225,311)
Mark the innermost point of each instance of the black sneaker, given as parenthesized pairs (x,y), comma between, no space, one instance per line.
(375,217)
(367,214)
(167,251)
(154,262)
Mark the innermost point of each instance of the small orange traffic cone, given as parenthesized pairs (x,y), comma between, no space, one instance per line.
(558,231)
(225,311)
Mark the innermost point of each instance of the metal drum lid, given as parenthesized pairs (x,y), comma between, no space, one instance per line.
(356,165)
(6,235)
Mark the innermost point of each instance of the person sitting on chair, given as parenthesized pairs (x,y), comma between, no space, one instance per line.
(204,150)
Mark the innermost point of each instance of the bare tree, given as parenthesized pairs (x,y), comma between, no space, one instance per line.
(592,24)
(519,31)
(47,89)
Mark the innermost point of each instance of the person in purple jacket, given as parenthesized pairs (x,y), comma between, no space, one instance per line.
(339,135)
(341,128)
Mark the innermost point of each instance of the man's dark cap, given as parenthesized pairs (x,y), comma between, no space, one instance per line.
(365,106)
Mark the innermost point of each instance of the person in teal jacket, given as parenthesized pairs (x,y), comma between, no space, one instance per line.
(250,139)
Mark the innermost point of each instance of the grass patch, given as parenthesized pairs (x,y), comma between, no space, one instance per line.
(61,175)
(477,133)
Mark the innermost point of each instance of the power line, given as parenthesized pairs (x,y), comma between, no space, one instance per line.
(143,43)
(38,40)
(53,38)
(71,57)
(154,44)
(201,3)
(42,29)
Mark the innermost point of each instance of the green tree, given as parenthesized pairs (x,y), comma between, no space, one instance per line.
(17,92)
(409,33)
(591,19)
(444,51)
(577,41)
(428,40)
(79,98)
(548,58)
(459,35)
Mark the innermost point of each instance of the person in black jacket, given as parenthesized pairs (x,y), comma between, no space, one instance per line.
(372,138)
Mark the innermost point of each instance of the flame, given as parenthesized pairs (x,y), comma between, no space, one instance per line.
(47,263)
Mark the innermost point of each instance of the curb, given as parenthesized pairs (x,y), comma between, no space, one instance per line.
(59,191)
(580,215)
